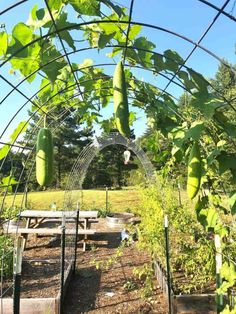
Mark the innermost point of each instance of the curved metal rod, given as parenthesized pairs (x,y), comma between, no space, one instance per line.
(118,46)
(218,9)
(79,25)
(90,48)
(12,6)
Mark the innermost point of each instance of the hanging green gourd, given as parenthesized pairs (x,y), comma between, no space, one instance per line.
(121,106)
(44,156)
(194,171)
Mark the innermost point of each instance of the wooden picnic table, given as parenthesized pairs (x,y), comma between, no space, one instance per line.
(85,219)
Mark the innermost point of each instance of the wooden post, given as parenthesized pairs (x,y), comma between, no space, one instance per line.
(26,197)
(106,199)
(218,257)
(17,263)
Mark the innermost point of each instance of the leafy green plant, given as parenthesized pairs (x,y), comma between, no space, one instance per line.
(10,213)
(145,275)
(130,284)
(6,255)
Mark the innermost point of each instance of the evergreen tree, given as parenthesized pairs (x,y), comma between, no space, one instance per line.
(69,139)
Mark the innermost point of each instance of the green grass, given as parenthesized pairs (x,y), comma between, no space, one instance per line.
(118,200)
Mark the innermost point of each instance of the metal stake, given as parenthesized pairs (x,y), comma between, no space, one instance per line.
(62,263)
(76,238)
(168,263)
(17,274)
(218,257)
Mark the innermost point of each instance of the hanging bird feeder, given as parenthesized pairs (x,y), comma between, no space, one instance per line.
(127,155)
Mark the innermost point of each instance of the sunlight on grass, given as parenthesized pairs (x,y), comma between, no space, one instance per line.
(118,201)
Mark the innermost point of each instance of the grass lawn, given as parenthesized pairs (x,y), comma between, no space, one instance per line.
(118,200)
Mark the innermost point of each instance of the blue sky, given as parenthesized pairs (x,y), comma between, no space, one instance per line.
(190,18)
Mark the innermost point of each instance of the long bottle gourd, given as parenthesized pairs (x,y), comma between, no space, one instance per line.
(194,171)
(44,157)
(121,106)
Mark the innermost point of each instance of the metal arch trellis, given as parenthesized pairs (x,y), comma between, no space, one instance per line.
(79,170)
(75,180)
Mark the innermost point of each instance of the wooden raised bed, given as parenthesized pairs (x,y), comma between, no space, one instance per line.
(37,305)
(185,303)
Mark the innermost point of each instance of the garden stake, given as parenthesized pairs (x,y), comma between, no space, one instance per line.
(26,196)
(179,190)
(17,274)
(62,262)
(106,199)
(76,238)
(168,263)
(218,257)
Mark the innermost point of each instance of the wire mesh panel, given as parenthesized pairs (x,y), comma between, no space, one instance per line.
(73,191)
(163,46)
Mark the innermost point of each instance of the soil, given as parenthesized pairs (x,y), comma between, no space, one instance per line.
(91,290)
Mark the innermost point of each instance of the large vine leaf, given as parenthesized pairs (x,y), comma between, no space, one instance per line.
(85,7)
(8,182)
(232,203)
(184,76)
(54,4)
(172,60)
(206,104)
(20,129)
(104,39)
(49,53)
(228,274)
(22,33)
(116,8)
(196,130)
(200,82)
(28,65)
(143,43)
(227,162)
(3,43)
(40,17)
(61,22)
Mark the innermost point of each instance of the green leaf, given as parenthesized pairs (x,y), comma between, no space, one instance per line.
(195,131)
(228,272)
(41,18)
(208,217)
(86,63)
(3,43)
(200,82)
(116,8)
(232,203)
(104,39)
(8,182)
(143,43)
(226,161)
(54,4)
(4,151)
(173,60)
(207,105)
(183,75)
(158,62)
(21,128)
(22,33)
(52,69)
(134,31)
(85,7)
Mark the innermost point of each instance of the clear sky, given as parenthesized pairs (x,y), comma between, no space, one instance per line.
(189,18)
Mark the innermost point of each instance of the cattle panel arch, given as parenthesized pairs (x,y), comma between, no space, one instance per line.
(80,167)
